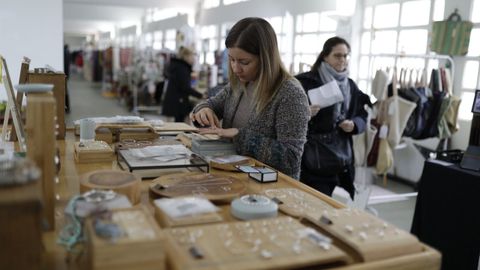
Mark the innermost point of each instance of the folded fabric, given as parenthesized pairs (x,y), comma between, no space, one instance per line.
(399,111)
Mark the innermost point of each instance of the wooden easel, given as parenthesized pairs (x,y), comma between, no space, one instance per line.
(23,79)
(12,108)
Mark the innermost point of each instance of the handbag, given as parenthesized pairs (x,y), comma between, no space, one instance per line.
(327,153)
(451,36)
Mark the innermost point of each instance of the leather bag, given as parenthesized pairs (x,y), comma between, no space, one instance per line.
(327,153)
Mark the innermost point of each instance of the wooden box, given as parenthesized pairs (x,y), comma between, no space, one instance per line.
(166,221)
(93,152)
(20,226)
(41,146)
(140,247)
(59,85)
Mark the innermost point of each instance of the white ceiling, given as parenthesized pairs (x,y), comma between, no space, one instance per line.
(82,17)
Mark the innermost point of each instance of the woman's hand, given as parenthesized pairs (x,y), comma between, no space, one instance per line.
(314,110)
(222,132)
(347,125)
(205,117)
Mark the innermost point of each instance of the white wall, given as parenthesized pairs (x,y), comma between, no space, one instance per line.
(34,29)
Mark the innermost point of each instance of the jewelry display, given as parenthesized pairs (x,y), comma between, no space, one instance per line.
(362,232)
(258,244)
(14,171)
(230,162)
(125,238)
(297,203)
(132,143)
(260,174)
(212,187)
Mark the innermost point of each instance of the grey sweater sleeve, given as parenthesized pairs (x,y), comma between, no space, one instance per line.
(280,146)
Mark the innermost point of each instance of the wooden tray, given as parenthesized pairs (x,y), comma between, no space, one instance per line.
(365,237)
(119,181)
(298,203)
(141,246)
(273,243)
(213,187)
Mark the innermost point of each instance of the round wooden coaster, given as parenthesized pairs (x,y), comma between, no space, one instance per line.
(211,186)
(229,163)
(119,181)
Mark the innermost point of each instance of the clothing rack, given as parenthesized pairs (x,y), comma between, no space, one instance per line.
(397,56)
(407,154)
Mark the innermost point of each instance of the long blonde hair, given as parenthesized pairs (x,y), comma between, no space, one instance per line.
(256,36)
(184,53)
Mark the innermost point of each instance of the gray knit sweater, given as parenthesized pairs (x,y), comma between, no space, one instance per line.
(276,135)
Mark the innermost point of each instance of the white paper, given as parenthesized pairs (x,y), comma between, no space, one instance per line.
(325,95)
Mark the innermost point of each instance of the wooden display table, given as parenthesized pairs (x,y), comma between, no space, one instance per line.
(425,258)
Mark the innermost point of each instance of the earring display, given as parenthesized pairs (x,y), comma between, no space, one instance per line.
(253,206)
(273,243)
(132,143)
(260,174)
(136,240)
(368,237)
(171,212)
(93,152)
(210,186)
(297,203)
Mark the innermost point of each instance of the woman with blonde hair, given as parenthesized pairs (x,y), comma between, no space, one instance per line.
(263,109)
(176,102)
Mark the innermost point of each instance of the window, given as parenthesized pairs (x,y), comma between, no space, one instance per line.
(208,44)
(229,2)
(471,72)
(396,28)
(210,3)
(312,30)
(157,40)
(170,39)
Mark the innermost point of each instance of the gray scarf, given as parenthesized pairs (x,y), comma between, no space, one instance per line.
(328,74)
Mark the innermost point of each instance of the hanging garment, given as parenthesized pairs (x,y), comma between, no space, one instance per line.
(379,84)
(398,113)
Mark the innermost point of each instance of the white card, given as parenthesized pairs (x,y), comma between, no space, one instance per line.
(325,95)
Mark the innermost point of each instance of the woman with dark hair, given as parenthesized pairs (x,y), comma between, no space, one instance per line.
(264,109)
(343,119)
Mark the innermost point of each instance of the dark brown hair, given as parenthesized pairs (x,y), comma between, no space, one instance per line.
(327,49)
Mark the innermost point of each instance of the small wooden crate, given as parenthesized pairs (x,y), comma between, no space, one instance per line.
(141,246)
(93,152)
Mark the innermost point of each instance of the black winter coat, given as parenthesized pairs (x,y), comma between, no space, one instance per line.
(178,89)
(324,122)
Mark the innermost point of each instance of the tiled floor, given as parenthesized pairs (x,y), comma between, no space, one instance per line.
(86,100)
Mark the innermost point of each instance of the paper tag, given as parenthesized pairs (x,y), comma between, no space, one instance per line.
(392,108)
(383,133)
(325,95)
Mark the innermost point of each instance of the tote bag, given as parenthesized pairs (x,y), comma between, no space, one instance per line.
(452,36)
